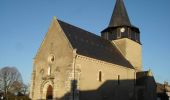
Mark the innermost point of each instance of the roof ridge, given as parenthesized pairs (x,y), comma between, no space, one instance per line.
(78,28)
(92,45)
(88,32)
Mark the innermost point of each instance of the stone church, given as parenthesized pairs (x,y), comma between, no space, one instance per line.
(74,64)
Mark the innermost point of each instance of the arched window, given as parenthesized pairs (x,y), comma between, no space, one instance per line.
(49,71)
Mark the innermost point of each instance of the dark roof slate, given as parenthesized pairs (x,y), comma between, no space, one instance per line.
(91,45)
(119,15)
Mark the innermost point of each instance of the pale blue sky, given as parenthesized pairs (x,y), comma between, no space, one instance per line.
(24,23)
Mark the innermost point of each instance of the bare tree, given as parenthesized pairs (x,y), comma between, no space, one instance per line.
(25,89)
(10,80)
(16,87)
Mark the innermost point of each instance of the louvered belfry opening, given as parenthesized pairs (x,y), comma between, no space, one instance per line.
(120,25)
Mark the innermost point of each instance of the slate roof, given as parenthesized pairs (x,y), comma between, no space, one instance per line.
(120,15)
(91,45)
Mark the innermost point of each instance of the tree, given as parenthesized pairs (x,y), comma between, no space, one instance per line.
(10,80)
(16,87)
(25,89)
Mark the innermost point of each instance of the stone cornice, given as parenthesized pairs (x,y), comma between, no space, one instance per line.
(101,62)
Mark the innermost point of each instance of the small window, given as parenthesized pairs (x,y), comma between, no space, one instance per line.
(118,80)
(129,33)
(49,71)
(118,34)
(107,35)
(134,78)
(137,37)
(100,76)
(133,36)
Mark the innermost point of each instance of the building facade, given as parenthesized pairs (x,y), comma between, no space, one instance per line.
(163,91)
(74,64)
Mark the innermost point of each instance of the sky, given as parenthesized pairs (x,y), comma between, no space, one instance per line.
(24,23)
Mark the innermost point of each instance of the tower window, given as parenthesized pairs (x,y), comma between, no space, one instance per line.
(106,35)
(137,36)
(118,34)
(133,36)
(100,76)
(129,33)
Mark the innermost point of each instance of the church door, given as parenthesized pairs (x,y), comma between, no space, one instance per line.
(49,95)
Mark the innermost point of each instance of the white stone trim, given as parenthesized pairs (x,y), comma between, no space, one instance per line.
(43,88)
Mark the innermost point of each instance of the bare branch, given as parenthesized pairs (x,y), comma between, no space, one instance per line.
(10,80)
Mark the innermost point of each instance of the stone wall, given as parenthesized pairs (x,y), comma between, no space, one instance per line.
(131,50)
(52,64)
(116,82)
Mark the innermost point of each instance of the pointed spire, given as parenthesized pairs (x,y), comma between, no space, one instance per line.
(119,16)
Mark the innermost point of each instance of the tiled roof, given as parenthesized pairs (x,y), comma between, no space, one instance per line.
(91,45)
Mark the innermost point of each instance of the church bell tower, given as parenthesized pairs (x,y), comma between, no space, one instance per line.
(124,35)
